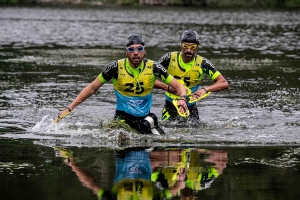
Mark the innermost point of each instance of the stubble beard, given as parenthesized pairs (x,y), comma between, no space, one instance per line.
(135,63)
(189,56)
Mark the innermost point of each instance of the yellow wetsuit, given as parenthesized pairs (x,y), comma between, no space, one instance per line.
(191,74)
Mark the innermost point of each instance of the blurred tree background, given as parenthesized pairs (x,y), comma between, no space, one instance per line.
(198,3)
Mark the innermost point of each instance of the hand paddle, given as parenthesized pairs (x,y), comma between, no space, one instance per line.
(198,98)
(63,114)
(185,114)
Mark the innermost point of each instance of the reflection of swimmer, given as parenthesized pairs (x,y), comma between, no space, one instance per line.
(158,174)
(204,171)
(87,180)
(169,171)
(132,177)
(182,172)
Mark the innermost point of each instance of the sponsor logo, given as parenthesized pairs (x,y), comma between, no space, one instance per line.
(109,67)
(161,68)
(208,62)
(135,103)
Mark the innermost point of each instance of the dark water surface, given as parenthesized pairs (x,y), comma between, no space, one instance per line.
(246,145)
(38,172)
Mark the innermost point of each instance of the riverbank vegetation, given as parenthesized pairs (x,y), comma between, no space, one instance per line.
(197,3)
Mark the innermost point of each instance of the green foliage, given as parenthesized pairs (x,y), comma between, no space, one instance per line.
(10,1)
(273,3)
(128,2)
(292,3)
(106,1)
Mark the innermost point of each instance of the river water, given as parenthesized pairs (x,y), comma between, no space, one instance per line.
(249,133)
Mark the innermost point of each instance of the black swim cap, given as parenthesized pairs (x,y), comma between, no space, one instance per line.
(134,39)
(190,36)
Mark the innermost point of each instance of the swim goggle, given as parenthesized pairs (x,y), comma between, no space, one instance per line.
(192,47)
(132,49)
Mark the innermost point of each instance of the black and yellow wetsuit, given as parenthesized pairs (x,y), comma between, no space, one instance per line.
(191,74)
(133,88)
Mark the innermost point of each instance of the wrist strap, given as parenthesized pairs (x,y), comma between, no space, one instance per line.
(183,98)
(204,90)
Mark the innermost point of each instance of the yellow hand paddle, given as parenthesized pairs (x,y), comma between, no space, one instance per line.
(198,97)
(68,111)
(185,114)
(64,153)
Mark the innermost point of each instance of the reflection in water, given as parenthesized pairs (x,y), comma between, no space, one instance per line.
(183,172)
(133,175)
(155,173)
(27,167)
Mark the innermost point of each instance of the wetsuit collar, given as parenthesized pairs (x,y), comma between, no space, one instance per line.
(134,72)
(186,66)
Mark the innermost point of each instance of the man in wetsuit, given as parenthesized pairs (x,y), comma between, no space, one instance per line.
(133,79)
(189,68)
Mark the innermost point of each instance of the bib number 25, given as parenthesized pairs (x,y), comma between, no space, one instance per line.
(136,89)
